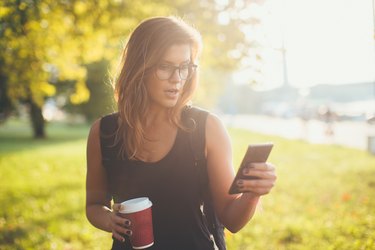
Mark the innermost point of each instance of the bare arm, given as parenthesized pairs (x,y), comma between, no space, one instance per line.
(234,211)
(98,204)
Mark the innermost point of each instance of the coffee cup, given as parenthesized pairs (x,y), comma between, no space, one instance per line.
(139,212)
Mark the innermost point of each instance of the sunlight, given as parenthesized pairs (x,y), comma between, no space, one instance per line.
(332,41)
(325,41)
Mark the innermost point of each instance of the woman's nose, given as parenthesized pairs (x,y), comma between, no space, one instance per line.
(175,77)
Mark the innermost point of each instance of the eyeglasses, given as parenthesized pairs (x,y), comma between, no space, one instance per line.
(165,71)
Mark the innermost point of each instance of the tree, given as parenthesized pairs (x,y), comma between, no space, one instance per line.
(22,59)
(5,102)
(49,45)
(223,25)
(101,99)
(45,42)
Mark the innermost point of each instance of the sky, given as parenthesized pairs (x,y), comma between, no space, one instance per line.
(326,42)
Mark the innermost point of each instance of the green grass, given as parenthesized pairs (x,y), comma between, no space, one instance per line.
(324,197)
(42,190)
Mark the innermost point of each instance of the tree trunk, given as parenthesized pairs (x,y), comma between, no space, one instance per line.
(37,120)
(5,102)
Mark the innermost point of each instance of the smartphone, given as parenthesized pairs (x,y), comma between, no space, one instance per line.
(255,153)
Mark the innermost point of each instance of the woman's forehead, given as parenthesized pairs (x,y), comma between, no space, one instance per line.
(177,53)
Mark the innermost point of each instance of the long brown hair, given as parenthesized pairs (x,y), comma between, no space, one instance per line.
(144,49)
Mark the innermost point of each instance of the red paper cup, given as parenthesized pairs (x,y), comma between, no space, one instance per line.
(138,211)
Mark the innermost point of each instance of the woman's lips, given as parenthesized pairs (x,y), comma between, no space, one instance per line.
(172,93)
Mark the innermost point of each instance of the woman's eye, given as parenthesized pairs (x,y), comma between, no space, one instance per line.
(165,67)
(184,67)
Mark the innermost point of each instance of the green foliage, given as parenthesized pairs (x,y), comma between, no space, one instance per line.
(101,100)
(24,42)
(101,92)
(224,43)
(47,43)
(322,199)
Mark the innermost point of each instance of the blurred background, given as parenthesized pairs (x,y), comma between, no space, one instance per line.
(285,59)
(297,72)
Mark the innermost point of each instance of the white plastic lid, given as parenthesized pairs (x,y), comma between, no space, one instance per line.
(135,205)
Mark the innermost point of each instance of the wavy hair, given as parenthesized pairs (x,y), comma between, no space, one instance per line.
(147,44)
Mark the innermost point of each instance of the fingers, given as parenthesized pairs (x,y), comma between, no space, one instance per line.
(264,181)
(121,230)
(118,236)
(120,226)
(118,220)
(255,183)
(260,170)
(265,166)
(116,207)
(259,187)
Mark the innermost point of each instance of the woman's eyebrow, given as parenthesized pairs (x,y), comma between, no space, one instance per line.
(170,62)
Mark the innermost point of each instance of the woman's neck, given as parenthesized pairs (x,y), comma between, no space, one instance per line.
(156,116)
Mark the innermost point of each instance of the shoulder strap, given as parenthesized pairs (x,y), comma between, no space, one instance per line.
(198,141)
(198,136)
(108,127)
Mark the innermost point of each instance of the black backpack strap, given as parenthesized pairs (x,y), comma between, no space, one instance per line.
(198,136)
(108,128)
(198,141)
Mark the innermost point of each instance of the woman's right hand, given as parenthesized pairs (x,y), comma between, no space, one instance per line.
(120,226)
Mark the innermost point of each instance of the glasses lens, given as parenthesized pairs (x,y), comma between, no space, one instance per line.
(191,70)
(164,71)
(184,71)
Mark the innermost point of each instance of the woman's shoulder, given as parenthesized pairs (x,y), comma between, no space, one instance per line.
(112,117)
(108,123)
(105,124)
(194,111)
(216,131)
(203,115)
(214,123)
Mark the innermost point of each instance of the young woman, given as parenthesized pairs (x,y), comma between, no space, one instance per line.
(145,150)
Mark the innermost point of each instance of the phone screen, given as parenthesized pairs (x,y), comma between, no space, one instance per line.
(255,153)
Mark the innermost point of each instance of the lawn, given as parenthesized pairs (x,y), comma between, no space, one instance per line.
(323,198)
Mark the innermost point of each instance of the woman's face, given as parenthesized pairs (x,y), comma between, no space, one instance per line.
(165,85)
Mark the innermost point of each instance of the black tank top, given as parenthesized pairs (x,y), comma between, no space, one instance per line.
(173,184)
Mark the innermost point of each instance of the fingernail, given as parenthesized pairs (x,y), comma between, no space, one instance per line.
(129,232)
(127,223)
(123,239)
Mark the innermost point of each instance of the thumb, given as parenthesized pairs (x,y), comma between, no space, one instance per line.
(116,207)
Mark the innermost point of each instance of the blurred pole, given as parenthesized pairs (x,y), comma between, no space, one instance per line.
(285,65)
(373,38)
(283,49)
(371,120)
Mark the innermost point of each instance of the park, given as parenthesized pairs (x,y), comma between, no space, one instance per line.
(56,70)
(323,198)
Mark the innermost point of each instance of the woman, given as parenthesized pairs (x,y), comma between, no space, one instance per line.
(144,149)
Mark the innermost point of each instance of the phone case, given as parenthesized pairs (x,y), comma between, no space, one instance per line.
(254,153)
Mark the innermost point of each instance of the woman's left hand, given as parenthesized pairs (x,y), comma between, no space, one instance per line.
(264,181)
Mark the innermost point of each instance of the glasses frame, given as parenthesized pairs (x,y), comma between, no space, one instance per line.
(192,69)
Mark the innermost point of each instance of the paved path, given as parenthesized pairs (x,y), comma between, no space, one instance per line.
(347,133)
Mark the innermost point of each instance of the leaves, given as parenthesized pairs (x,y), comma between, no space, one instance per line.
(48,42)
